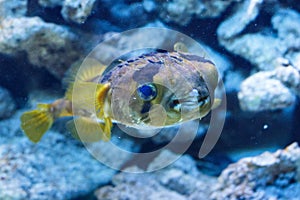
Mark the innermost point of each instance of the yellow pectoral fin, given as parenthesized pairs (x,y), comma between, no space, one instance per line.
(101,96)
(35,123)
(217,103)
(106,127)
(87,130)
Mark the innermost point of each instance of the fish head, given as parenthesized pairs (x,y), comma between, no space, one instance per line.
(160,95)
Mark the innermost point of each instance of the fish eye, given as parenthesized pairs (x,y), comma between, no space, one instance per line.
(147,92)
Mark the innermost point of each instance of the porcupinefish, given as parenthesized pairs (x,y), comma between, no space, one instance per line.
(153,90)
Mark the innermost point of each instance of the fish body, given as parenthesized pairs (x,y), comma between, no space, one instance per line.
(154,90)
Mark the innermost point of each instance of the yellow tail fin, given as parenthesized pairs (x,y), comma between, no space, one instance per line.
(35,123)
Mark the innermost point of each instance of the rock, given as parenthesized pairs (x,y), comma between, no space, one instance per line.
(46,45)
(50,3)
(294,58)
(119,145)
(181,180)
(77,11)
(261,50)
(13,8)
(132,187)
(267,94)
(246,12)
(290,77)
(129,15)
(253,48)
(72,11)
(287,24)
(182,11)
(149,5)
(270,90)
(7,104)
(167,134)
(55,168)
(267,176)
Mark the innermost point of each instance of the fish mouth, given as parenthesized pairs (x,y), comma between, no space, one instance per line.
(193,101)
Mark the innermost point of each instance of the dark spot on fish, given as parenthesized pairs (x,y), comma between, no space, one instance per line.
(202,89)
(161,51)
(146,73)
(146,107)
(131,60)
(120,65)
(176,58)
(157,62)
(106,77)
(196,58)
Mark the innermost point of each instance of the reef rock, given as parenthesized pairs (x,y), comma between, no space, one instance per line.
(7,105)
(287,24)
(119,145)
(55,168)
(77,11)
(267,176)
(270,90)
(246,12)
(129,15)
(50,3)
(72,11)
(253,48)
(182,11)
(261,49)
(278,88)
(181,180)
(12,8)
(46,45)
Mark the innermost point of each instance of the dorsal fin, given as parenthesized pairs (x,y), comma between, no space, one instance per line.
(84,71)
(180,47)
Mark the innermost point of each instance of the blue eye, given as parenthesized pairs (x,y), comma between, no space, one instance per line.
(147,92)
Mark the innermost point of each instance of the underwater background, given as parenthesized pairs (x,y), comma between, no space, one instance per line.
(256,47)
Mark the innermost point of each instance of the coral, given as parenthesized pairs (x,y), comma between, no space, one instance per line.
(267,176)
(7,105)
(52,46)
